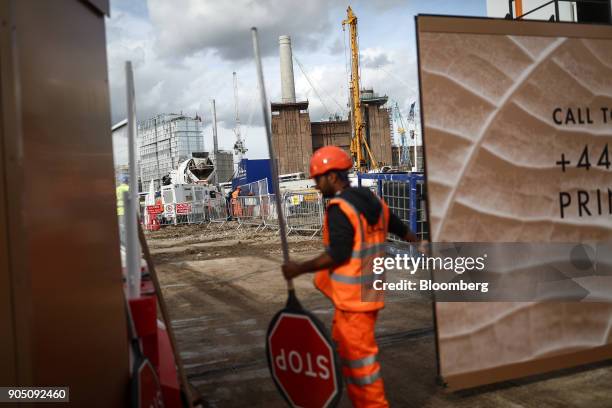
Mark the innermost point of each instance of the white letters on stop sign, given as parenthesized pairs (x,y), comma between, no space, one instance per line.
(296,364)
(297,367)
(280,361)
(323,362)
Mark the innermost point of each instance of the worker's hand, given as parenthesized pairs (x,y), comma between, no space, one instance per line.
(291,270)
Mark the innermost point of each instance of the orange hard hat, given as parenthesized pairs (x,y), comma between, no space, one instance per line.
(329,158)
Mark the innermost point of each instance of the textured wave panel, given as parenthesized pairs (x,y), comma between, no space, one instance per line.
(491,152)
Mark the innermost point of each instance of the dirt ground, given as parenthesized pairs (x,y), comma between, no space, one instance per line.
(223,285)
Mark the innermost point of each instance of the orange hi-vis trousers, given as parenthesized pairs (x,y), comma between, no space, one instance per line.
(353,333)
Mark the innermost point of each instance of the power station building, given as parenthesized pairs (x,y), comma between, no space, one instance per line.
(295,137)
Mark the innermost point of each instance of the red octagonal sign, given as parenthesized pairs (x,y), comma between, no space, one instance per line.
(302,361)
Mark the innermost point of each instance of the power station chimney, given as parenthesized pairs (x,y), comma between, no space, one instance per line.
(286,68)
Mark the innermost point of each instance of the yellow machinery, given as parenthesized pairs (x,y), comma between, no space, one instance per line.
(358,141)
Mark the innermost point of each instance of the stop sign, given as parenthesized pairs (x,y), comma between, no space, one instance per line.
(302,360)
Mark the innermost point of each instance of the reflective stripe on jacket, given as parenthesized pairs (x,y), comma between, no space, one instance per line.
(349,285)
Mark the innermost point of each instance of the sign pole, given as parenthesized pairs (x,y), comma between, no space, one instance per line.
(273,163)
(131,208)
(301,355)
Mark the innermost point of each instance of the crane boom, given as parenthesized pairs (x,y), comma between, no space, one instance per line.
(401,128)
(239,148)
(358,142)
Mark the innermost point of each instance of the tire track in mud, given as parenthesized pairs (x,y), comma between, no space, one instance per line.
(383,340)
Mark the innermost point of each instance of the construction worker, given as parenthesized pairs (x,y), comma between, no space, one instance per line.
(355,227)
(236,207)
(121,188)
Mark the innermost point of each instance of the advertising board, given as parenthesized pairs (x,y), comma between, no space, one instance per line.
(517,129)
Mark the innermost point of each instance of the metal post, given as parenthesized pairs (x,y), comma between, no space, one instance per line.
(413,206)
(132,253)
(215,141)
(266,117)
(131,204)
(510,11)
(415,168)
(557,10)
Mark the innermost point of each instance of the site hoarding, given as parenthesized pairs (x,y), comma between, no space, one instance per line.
(517,128)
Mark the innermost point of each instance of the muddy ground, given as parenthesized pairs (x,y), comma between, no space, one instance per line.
(223,285)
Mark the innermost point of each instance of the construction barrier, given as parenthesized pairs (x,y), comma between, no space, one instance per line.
(216,211)
(151,216)
(269,214)
(304,212)
(259,187)
(248,211)
(183,213)
(405,195)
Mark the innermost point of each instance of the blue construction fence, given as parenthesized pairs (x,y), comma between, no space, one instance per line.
(404,193)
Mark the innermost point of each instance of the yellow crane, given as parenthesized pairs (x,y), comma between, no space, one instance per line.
(358,141)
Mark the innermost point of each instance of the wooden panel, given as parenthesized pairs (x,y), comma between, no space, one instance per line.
(333,133)
(380,134)
(291,137)
(528,368)
(70,256)
(8,347)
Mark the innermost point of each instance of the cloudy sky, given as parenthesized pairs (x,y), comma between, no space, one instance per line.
(184,53)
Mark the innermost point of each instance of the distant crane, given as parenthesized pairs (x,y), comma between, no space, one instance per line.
(401,129)
(412,125)
(358,141)
(239,149)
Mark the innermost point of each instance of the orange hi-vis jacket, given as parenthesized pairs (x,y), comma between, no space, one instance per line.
(235,202)
(349,285)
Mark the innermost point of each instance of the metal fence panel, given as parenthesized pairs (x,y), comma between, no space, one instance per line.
(182,213)
(259,187)
(303,211)
(405,194)
(247,211)
(422,226)
(217,211)
(269,214)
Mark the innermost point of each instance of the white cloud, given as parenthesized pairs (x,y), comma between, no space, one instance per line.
(185,27)
(374,58)
(184,53)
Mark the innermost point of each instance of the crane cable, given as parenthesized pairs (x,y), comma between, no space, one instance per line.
(342,110)
(312,85)
(394,76)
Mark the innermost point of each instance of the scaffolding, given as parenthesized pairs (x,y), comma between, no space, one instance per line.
(164,141)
